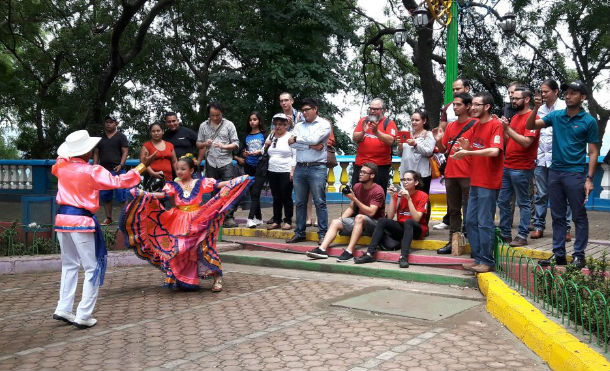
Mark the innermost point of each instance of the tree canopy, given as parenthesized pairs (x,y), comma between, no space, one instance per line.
(65,64)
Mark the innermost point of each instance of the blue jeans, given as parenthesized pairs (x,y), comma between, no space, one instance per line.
(480,224)
(541,199)
(517,181)
(312,179)
(562,185)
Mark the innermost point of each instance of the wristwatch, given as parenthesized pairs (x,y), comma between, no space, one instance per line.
(589,177)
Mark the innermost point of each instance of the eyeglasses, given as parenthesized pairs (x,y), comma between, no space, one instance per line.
(274,142)
(366,172)
(375,108)
(306,109)
(517,99)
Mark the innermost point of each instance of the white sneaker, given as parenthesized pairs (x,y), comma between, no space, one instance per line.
(440,226)
(60,315)
(251,223)
(257,222)
(85,323)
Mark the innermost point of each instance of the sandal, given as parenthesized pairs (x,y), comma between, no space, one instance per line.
(217,287)
(107,221)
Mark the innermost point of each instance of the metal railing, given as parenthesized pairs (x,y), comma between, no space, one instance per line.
(579,299)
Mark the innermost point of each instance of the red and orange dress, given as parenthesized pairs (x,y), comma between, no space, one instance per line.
(181,241)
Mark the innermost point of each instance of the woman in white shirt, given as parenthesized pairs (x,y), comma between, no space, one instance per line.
(416,151)
(282,160)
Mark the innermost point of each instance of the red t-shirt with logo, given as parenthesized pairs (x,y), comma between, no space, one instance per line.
(516,156)
(420,201)
(486,172)
(372,149)
(372,196)
(457,168)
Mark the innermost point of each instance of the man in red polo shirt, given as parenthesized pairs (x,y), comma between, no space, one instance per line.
(519,162)
(375,139)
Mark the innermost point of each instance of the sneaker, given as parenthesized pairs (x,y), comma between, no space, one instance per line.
(84,323)
(403,262)
(106,221)
(257,222)
(345,256)
(440,226)
(558,260)
(270,221)
(366,258)
(60,315)
(286,226)
(317,253)
(468,266)
(251,223)
(229,223)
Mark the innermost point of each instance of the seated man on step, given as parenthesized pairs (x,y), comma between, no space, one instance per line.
(360,218)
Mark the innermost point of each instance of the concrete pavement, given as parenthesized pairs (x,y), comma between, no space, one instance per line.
(265,319)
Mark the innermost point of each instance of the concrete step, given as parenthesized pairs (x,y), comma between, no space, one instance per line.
(292,260)
(418,257)
(311,235)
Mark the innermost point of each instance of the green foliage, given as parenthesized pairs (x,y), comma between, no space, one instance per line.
(584,297)
(7,149)
(109,234)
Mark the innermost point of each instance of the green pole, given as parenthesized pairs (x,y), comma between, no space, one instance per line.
(452,52)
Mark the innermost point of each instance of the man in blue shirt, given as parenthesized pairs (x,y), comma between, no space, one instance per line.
(309,139)
(573,130)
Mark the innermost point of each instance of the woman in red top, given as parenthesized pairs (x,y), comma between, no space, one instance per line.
(410,223)
(166,156)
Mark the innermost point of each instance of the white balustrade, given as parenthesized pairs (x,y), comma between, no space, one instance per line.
(13,179)
(605,183)
(4,177)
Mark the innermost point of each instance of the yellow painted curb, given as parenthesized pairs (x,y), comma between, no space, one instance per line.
(560,349)
(313,236)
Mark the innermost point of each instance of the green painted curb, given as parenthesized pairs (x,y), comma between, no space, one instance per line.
(403,275)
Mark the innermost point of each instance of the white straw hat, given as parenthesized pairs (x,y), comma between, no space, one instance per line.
(77,143)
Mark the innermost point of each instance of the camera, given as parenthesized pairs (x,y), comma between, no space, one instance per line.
(346,190)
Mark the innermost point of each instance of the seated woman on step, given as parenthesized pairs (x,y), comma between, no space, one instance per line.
(410,224)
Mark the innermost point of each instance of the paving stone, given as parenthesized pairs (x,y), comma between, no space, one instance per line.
(259,322)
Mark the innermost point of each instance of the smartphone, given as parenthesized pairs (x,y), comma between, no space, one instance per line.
(403,135)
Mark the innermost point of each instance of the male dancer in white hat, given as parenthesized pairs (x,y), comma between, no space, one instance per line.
(79,233)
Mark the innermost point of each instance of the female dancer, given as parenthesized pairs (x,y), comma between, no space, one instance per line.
(411,219)
(181,241)
(252,151)
(418,149)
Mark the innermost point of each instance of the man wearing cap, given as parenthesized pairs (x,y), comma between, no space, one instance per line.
(573,130)
(111,153)
(309,139)
(80,237)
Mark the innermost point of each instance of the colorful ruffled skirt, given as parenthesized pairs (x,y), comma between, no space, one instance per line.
(180,241)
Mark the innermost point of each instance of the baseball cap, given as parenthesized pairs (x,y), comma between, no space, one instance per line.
(280,116)
(109,118)
(575,85)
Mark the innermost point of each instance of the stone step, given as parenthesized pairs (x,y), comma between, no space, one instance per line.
(291,260)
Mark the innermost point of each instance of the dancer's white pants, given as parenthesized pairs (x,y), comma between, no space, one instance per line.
(77,248)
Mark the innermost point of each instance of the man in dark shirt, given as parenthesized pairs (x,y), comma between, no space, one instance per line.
(111,153)
(183,138)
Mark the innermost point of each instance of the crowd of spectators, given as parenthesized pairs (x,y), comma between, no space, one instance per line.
(534,152)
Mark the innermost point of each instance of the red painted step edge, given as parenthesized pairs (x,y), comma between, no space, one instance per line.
(387,256)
